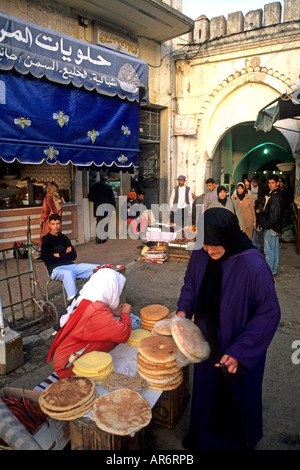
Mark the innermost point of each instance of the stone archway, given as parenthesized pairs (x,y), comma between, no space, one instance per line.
(261,160)
(237,102)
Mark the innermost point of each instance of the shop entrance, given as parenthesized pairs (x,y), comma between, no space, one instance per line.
(148,178)
(243,153)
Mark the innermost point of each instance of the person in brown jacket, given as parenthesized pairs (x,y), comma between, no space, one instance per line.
(245,202)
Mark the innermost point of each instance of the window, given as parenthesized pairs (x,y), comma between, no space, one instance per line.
(150,124)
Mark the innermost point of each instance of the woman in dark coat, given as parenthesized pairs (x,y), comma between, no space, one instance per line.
(229,289)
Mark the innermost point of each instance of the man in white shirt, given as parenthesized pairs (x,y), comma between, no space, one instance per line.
(181,201)
(212,194)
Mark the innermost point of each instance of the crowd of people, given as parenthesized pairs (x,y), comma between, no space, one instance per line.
(228,291)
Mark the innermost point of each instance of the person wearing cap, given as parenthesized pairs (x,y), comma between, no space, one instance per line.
(137,213)
(131,197)
(212,194)
(181,202)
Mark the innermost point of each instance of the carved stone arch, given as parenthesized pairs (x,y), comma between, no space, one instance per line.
(258,85)
(249,91)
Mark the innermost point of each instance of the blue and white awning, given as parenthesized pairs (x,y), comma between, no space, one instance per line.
(89,115)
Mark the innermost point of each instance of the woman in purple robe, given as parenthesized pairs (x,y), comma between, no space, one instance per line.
(229,289)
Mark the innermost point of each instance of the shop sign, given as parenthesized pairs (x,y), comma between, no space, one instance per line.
(30,48)
(185,124)
(118,42)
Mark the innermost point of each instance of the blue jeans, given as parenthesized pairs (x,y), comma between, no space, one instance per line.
(271,249)
(69,273)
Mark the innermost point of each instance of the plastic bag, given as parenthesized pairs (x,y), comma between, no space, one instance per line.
(20,251)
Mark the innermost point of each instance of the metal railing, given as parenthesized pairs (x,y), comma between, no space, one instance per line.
(18,293)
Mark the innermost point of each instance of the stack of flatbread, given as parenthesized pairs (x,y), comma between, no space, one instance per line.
(189,339)
(156,363)
(96,365)
(121,412)
(151,314)
(117,380)
(137,335)
(69,398)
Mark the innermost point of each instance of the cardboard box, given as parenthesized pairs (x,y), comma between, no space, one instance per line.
(54,434)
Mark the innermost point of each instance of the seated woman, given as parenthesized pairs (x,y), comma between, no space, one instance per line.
(91,321)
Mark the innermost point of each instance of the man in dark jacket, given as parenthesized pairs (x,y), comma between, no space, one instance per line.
(101,193)
(271,223)
(59,255)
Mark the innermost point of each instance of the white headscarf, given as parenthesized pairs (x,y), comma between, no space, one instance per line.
(105,286)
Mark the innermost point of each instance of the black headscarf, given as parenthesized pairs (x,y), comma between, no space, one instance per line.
(221,227)
(219,189)
(241,196)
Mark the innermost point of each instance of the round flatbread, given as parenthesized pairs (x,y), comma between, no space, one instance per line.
(121,412)
(74,413)
(147,327)
(189,339)
(149,365)
(159,379)
(137,335)
(116,381)
(94,375)
(169,386)
(155,369)
(154,312)
(66,394)
(162,327)
(158,349)
(94,361)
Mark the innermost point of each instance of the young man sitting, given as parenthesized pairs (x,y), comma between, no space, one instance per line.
(59,255)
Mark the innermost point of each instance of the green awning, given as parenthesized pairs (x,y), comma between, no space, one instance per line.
(284,107)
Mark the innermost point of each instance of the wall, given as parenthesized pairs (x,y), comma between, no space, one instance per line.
(231,70)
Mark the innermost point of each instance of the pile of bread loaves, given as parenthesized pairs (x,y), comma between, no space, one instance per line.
(158,359)
(68,398)
(122,411)
(160,344)
(151,314)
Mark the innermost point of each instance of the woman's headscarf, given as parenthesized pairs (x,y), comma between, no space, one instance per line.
(105,286)
(52,190)
(241,196)
(219,189)
(221,228)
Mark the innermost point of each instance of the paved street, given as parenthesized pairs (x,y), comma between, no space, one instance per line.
(151,283)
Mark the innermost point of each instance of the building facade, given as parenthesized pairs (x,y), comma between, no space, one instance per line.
(138,40)
(231,69)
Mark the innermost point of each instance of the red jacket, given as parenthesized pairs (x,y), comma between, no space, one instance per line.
(92,325)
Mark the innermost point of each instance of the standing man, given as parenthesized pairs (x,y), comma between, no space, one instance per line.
(101,193)
(59,255)
(271,223)
(257,193)
(181,202)
(212,194)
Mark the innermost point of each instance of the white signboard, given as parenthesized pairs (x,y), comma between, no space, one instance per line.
(185,124)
